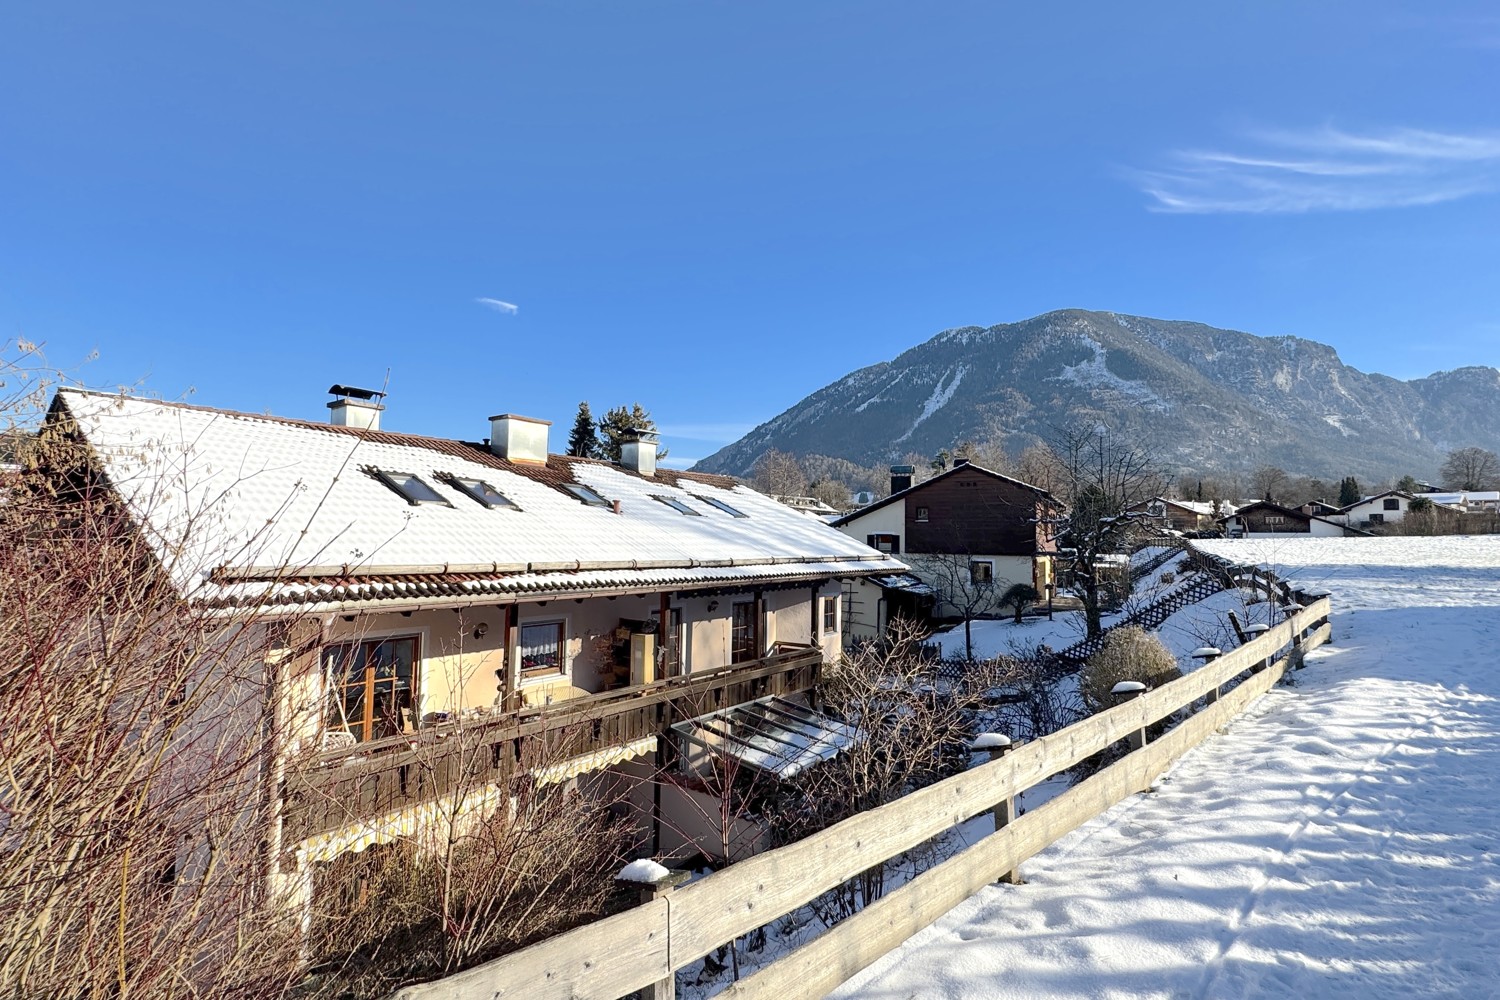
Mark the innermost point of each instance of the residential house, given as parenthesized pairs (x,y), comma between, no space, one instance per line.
(1468,501)
(459,594)
(1267,518)
(1184,515)
(1382,508)
(964,527)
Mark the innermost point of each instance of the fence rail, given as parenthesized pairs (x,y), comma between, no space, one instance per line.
(644,946)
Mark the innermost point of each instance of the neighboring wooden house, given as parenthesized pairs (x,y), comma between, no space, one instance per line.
(488,591)
(968,525)
(1184,515)
(1267,518)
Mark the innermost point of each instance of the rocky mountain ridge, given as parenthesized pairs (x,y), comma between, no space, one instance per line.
(1199,397)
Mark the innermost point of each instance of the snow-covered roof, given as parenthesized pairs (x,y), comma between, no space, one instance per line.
(1461,497)
(238,504)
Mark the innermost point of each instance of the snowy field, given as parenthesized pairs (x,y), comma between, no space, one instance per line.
(1341,839)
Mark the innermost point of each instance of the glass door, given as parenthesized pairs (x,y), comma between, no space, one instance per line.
(742,642)
(372,687)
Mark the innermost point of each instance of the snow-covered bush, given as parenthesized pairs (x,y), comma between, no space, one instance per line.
(1128,654)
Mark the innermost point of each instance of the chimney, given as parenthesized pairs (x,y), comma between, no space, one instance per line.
(638,452)
(960,461)
(519,439)
(901,477)
(354,407)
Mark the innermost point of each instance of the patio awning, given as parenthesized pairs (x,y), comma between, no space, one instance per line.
(904,582)
(772,735)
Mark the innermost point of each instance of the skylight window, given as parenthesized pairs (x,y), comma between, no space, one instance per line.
(721,505)
(483,492)
(676,505)
(413,489)
(585,494)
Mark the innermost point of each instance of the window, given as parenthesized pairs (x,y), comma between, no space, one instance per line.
(372,686)
(1275,519)
(1393,504)
(981,572)
(585,494)
(1377,518)
(830,615)
(413,489)
(482,492)
(541,650)
(743,642)
(676,505)
(921,513)
(885,543)
(721,505)
(671,659)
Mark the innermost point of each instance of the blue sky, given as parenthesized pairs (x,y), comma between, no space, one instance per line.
(716,208)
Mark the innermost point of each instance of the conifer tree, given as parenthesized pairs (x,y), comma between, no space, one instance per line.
(620,421)
(1348,491)
(583,441)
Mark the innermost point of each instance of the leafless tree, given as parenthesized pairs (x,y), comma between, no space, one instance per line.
(780,474)
(1270,482)
(1471,469)
(963,585)
(1103,476)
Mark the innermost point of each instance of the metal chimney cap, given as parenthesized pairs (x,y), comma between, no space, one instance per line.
(354,392)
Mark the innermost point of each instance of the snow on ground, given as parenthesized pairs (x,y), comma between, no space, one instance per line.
(1340,839)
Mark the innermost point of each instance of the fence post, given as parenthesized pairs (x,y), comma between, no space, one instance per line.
(655,881)
(1129,691)
(1208,654)
(1239,629)
(997,745)
(1253,632)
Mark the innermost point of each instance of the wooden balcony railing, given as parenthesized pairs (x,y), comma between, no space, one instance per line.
(337,787)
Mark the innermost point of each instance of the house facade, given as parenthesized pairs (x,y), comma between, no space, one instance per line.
(1184,515)
(459,615)
(1267,518)
(962,528)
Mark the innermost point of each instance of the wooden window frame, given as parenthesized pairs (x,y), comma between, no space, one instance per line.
(830,615)
(532,674)
(989,571)
(337,685)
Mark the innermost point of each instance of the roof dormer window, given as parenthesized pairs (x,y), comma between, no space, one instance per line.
(412,488)
(720,505)
(482,492)
(585,495)
(676,505)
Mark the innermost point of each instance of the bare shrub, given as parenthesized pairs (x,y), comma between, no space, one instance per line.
(913,721)
(133,860)
(1167,577)
(1128,654)
(466,891)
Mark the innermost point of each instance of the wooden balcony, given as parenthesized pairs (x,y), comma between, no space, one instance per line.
(338,787)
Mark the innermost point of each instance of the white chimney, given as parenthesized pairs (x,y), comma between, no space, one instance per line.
(638,452)
(355,407)
(519,439)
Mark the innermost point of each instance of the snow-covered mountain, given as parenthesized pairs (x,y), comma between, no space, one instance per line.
(1200,397)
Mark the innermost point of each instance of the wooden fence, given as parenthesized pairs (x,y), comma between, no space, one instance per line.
(644,946)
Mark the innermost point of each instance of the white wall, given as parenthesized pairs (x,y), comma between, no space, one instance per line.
(887,520)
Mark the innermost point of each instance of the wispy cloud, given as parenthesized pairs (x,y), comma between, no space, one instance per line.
(1325,170)
(509,308)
